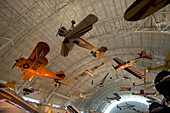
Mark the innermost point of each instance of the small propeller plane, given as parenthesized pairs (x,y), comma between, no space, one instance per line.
(128,65)
(72,109)
(141,9)
(73,36)
(35,64)
(164,67)
(86,72)
(85,95)
(117,97)
(143,94)
(127,106)
(103,80)
(125,89)
(32,89)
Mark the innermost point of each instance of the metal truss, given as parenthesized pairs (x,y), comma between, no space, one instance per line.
(32,18)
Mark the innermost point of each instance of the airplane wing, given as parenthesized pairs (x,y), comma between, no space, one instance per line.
(141,9)
(84,26)
(89,93)
(67,46)
(135,72)
(28,76)
(69,81)
(167,58)
(117,60)
(41,49)
(100,64)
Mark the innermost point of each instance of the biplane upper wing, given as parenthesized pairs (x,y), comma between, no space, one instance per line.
(41,49)
(100,64)
(69,81)
(84,26)
(135,72)
(28,76)
(117,60)
(167,58)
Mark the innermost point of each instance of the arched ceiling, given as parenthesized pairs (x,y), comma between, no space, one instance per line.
(24,23)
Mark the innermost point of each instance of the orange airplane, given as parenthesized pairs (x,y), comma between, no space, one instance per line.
(35,64)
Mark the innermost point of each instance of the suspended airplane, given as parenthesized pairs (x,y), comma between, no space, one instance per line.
(117,97)
(85,95)
(123,78)
(73,36)
(141,9)
(32,89)
(128,65)
(35,64)
(72,109)
(86,72)
(7,95)
(125,89)
(127,106)
(164,67)
(143,93)
(103,80)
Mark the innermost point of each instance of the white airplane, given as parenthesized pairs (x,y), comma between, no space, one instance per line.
(127,106)
(128,65)
(86,72)
(73,36)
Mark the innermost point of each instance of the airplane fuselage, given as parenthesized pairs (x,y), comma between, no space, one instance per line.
(37,68)
(127,64)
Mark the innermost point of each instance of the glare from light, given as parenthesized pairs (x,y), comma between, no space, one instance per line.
(31,100)
(129,98)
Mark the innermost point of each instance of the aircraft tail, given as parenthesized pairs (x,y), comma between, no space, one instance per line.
(143,55)
(100,52)
(60,74)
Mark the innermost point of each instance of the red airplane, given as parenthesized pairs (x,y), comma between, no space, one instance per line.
(128,65)
(35,64)
(143,94)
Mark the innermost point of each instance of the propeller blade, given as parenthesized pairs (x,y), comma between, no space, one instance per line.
(14,65)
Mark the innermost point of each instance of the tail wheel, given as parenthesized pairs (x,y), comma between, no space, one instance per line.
(26,66)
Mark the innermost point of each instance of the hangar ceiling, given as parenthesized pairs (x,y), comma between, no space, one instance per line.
(24,23)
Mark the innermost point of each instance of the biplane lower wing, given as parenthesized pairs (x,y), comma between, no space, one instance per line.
(118,61)
(67,46)
(135,72)
(28,76)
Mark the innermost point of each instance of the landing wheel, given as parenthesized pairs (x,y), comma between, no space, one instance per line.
(26,66)
(76,42)
(73,22)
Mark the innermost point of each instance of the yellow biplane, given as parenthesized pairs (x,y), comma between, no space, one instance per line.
(164,67)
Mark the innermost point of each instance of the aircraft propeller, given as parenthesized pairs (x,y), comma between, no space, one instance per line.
(17,60)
